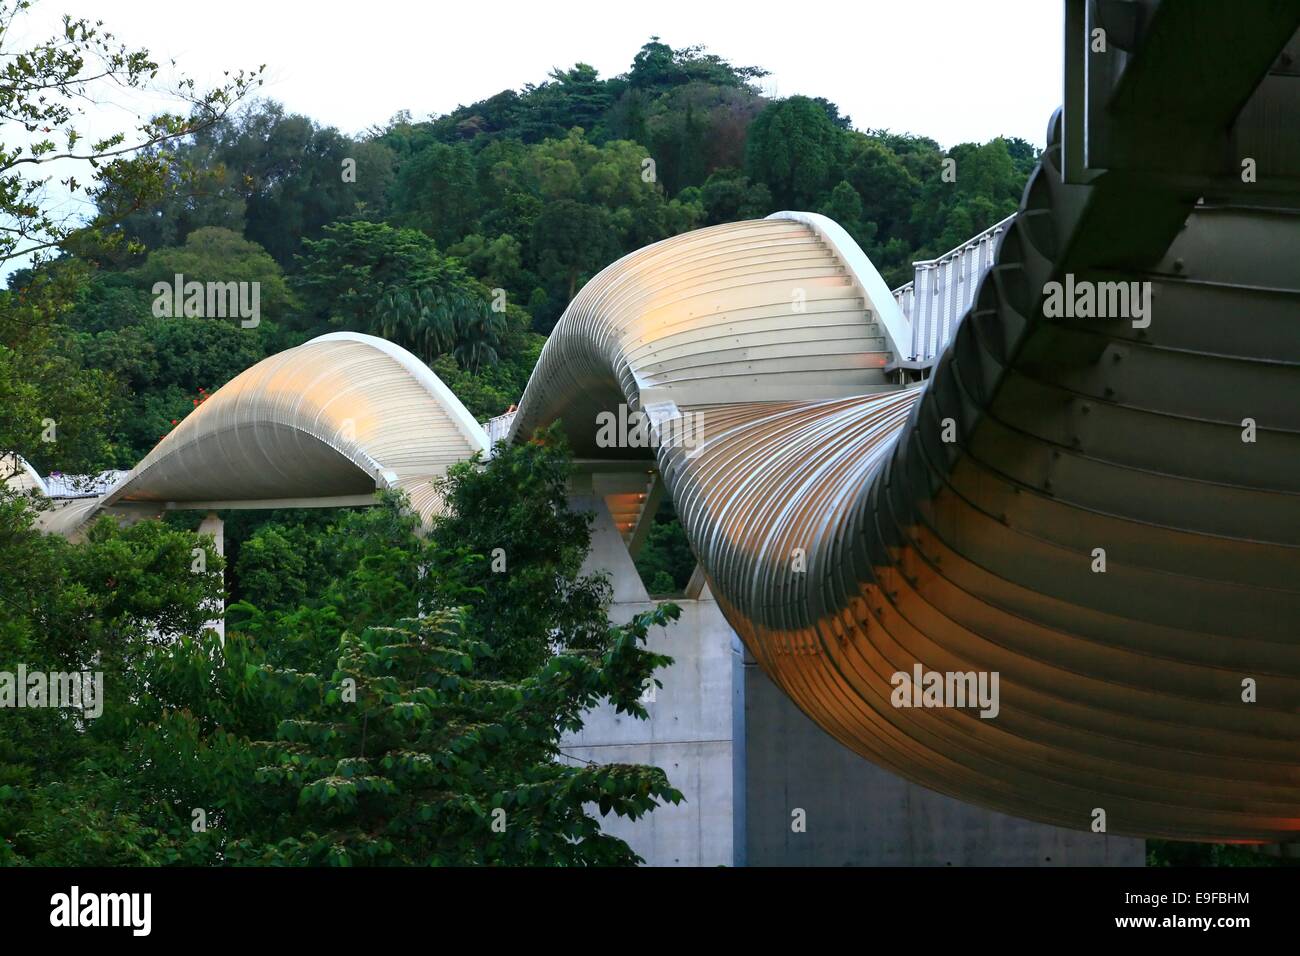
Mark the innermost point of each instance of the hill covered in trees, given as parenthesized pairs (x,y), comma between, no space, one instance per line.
(461,237)
(408,230)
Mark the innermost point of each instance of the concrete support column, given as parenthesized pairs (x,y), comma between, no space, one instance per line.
(689,733)
(608,551)
(213,525)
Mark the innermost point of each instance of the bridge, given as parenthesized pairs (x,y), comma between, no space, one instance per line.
(1103,512)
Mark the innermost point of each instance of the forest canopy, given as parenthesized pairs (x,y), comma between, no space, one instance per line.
(463,236)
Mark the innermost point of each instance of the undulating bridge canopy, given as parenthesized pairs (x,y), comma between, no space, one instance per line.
(1069,503)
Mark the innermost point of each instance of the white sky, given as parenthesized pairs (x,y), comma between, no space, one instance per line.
(954,70)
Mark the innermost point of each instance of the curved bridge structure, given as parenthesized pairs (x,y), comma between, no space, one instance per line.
(328,422)
(1103,512)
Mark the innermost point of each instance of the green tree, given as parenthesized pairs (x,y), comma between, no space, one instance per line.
(575,240)
(43,92)
(884,184)
(54,411)
(459,706)
(697,128)
(346,276)
(214,254)
(666,561)
(104,604)
(845,207)
(729,196)
(657,66)
(437,191)
(793,148)
(497,263)
(491,390)
(514,513)
(573,97)
(275,178)
(412,758)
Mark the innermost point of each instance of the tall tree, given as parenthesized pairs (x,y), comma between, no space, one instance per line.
(793,148)
(346,275)
(53,411)
(575,239)
(42,92)
(413,758)
(437,191)
(396,700)
(514,512)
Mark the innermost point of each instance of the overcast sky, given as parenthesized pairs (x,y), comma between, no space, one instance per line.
(954,70)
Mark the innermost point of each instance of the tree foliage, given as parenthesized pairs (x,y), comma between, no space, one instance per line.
(387,702)
(42,91)
(432,764)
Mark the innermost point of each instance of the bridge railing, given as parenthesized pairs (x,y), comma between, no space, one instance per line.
(942,290)
(498,428)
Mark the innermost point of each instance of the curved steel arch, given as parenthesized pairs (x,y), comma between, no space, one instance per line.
(20,476)
(1124,690)
(740,313)
(334,418)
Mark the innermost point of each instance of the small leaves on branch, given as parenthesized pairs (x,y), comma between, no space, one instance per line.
(45,90)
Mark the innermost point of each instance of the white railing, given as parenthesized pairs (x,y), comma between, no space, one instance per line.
(942,290)
(499,428)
